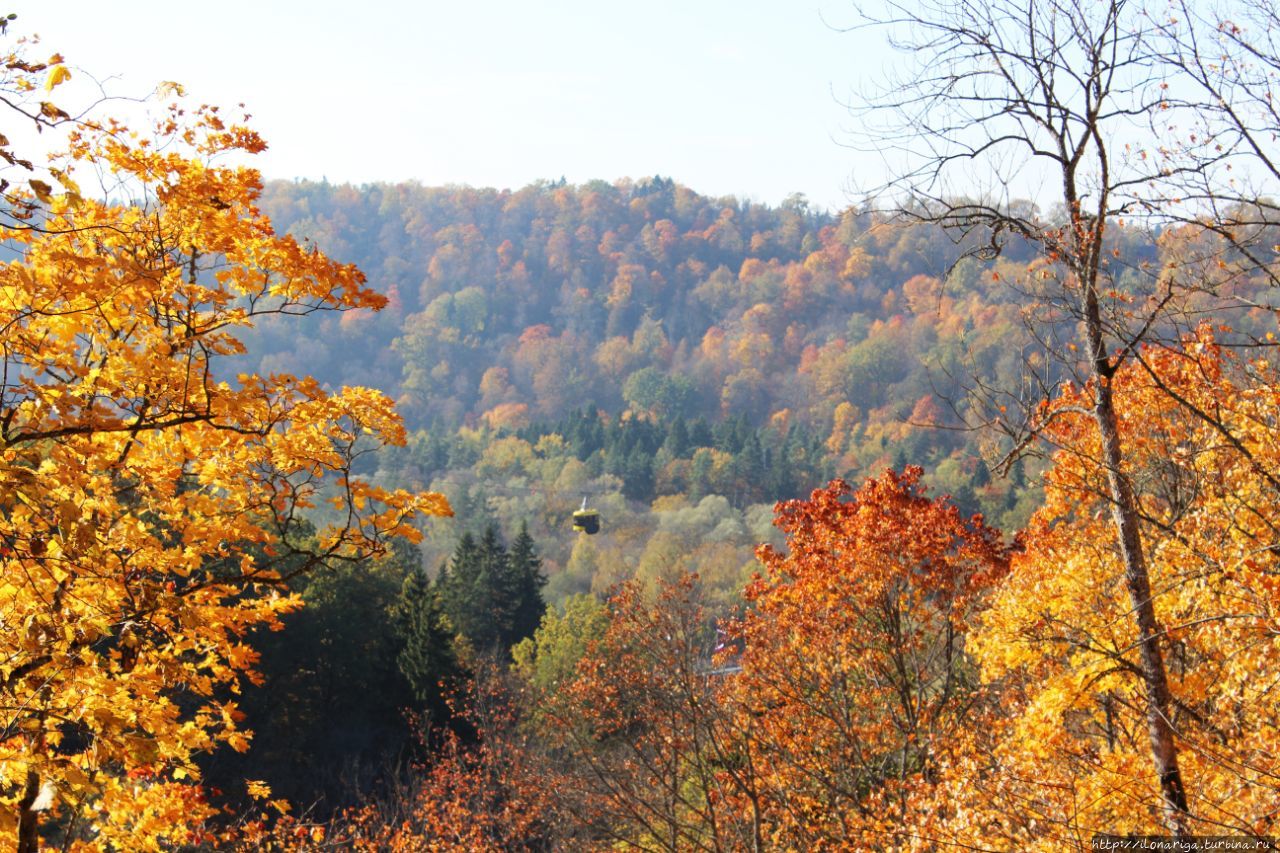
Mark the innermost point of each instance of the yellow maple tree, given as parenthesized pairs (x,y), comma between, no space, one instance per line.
(1066,757)
(149,505)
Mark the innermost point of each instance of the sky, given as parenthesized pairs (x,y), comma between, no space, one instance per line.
(729,97)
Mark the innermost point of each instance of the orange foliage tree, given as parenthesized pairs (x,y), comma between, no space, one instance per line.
(149,507)
(489,792)
(823,715)
(854,672)
(1071,758)
(650,754)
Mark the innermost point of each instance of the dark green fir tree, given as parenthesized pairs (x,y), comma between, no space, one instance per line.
(527,581)
(427,659)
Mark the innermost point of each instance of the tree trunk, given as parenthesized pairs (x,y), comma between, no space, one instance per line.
(1124,513)
(28,818)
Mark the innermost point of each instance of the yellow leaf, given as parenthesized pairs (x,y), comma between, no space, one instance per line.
(57,75)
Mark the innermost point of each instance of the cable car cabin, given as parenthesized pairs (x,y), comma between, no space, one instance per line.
(586,521)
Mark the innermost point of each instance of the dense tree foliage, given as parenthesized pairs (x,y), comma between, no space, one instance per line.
(754,370)
(507,306)
(854,675)
(1072,746)
(329,707)
(196,543)
(149,512)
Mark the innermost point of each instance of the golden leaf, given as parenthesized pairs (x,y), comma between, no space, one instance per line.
(58,75)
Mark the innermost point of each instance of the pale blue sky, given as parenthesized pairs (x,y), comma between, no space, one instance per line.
(731,98)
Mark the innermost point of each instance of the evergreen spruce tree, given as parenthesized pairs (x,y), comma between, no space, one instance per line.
(427,659)
(700,475)
(722,436)
(492,596)
(637,475)
(458,584)
(527,582)
(777,482)
(700,434)
(750,465)
(677,439)
(613,460)
(595,432)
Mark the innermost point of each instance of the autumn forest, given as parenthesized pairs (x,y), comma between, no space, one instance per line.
(949,520)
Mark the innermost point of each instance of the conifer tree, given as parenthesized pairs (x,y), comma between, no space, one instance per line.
(637,475)
(427,659)
(677,438)
(700,434)
(527,582)
(491,596)
(457,584)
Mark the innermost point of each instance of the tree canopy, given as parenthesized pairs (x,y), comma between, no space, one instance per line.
(149,510)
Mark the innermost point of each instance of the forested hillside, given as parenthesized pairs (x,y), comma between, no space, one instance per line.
(939,522)
(681,361)
(507,307)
